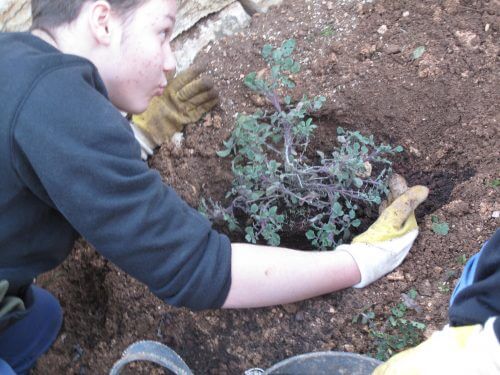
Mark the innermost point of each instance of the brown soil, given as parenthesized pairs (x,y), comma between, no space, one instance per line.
(442,107)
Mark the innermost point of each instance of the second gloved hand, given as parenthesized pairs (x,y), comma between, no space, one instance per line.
(467,350)
(184,101)
(387,242)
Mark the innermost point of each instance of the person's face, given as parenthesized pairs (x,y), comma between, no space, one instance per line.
(142,56)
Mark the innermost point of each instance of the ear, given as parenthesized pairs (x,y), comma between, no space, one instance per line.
(100,21)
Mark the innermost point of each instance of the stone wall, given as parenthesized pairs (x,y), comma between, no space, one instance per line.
(198,22)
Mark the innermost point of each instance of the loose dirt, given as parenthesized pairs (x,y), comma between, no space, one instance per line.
(441,107)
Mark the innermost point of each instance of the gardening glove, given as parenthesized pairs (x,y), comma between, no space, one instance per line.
(386,243)
(184,101)
(467,350)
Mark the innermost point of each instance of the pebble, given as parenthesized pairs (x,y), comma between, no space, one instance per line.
(329,5)
(495,214)
(382,29)
(406,13)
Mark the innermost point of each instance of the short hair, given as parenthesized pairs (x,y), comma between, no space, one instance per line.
(49,14)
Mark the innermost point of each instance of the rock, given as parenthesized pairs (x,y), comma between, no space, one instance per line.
(457,207)
(396,276)
(495,214)
(259,6)
(415,151)
(392,49)
(349,348)
(406,13)
(425,289)
(468,39)
(290,308)
(228,21)
(15,15)
(190,12)
(382,29)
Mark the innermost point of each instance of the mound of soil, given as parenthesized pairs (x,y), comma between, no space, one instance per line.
(442,107)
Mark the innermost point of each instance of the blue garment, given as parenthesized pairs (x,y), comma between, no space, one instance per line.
(22,343)
(468,273)
(477,295)
(70,166)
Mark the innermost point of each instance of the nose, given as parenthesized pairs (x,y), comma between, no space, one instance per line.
(169,61)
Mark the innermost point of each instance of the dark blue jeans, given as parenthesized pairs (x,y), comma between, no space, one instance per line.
(22,343)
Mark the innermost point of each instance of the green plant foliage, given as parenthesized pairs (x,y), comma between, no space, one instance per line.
(495,182)
(441,228)
(417,52)
(396,332)
(462,259)
(277,181)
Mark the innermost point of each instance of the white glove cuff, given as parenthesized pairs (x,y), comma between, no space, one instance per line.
(376,260)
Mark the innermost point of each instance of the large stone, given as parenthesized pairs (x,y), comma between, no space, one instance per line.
(259,6)
(228,21)
(189,12)
(15,15)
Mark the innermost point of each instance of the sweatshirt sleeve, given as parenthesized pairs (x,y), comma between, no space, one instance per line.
(78,154)
(480,301)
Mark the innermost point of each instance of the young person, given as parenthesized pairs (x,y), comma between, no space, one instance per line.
(71,167)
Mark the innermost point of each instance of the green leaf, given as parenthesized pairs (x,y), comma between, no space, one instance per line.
(267,50)
(356,223)
(295,68)
(310,234)
(223,153)
(358,182)
(440,228)
(337,209)
(412,293)
(495,182)
(288,46)
(417,52)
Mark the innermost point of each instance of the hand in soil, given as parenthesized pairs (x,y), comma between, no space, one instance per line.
(386,243)
(470,349)
(184,101)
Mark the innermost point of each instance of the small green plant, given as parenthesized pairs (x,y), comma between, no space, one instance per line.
(439,227)
(278,181)
(495,182)
(397,333)
(417,52)
(462,259)
(365,317)
(328,31)
(444,287)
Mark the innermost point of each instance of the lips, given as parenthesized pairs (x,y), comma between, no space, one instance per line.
(159,91)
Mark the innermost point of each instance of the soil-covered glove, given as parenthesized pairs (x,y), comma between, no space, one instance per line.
(386,243)
(184,101)
(467,350)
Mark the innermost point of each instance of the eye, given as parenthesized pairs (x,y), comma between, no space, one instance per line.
(165,34)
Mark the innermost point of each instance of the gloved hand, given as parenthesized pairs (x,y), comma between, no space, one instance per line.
(467,350)
(184,101)
(386,243)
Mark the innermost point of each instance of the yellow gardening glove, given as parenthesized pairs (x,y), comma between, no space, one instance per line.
(184,101)
(467,350)
(397,216)
(387,241)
